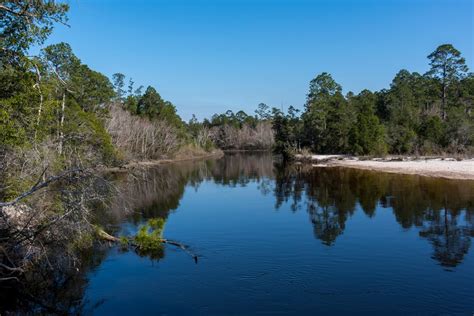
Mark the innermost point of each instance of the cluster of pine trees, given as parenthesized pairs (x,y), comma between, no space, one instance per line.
(149,104)
(418,114)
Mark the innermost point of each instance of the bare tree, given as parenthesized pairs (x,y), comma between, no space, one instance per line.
(246,137)
(140,138)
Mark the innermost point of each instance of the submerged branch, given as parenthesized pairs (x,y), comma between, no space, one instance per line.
(182,247)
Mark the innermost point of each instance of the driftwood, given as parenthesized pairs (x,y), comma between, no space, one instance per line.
(107,237)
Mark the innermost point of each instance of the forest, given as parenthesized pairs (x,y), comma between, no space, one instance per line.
(61,121)
(419,114)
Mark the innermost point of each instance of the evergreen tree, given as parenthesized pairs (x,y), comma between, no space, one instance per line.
(24,23)
(448,67)
(404,114)
(150,103)
(327,117)
(118,80)
(367,134)
(280,126)
(263,112)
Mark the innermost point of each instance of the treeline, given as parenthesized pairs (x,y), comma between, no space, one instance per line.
(142,124)
(56,111)
(418,114)
(235,131)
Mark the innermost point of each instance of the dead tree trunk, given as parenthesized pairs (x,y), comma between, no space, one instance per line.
(61,124)
(40,108)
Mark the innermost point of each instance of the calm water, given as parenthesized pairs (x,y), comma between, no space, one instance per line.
(295,240)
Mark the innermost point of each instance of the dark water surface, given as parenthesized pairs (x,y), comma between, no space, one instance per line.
(295,240)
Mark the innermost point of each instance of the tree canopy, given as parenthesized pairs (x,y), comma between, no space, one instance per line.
(421,114)
(24,23)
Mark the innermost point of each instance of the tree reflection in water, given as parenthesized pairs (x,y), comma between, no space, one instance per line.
(441,210)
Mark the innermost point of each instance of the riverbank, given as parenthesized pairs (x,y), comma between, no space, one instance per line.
(217,153)
(439,167)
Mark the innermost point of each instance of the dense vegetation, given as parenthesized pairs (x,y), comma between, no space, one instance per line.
(58,113)
(59,119)
(418,114)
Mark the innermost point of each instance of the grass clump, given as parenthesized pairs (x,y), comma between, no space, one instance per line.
(149,238)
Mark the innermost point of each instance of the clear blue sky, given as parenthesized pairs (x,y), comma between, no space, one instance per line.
(210,56)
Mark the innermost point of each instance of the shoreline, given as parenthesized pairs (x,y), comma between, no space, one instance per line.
(151,163)
(446,168)
(230,151)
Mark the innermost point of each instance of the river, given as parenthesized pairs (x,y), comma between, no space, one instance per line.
(277,240)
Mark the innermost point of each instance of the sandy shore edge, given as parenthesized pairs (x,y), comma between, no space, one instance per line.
(448,168)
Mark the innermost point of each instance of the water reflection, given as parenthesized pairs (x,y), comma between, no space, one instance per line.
(450,239)
(442,210)
(57,291)
(155,192)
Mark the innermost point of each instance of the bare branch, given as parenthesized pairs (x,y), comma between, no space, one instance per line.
(39,185)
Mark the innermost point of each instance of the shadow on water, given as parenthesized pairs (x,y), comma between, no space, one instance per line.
(442,211)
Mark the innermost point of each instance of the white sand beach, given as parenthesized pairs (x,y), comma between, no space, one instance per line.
(448,168)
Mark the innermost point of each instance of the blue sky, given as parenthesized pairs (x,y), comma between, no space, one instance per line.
(209,56)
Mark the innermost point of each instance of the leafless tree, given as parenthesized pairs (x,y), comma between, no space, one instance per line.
(140,138)
(245,138)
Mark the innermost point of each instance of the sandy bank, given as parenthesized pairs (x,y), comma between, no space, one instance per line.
(448,168)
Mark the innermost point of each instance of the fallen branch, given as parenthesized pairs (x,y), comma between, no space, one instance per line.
(105,236)
(9,279)
(12,269)
(39,185)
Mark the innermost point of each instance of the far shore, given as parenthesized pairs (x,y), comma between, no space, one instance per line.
(231,151)
(439,167)
(151,163)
